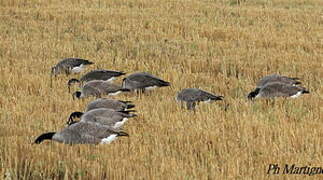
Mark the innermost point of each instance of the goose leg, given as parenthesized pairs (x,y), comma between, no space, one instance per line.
(191,105)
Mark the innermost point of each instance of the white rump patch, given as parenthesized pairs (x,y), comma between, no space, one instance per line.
(77,69)
(121,123)
(296,95)
(109,139)
(115,93)
(207,101)
(111,79)
(151,87)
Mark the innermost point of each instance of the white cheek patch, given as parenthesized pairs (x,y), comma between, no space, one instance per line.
(151,87)
(296,95)
(115,93)
(257,96)
(109,139)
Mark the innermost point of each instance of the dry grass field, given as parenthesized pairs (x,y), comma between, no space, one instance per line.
(217,45)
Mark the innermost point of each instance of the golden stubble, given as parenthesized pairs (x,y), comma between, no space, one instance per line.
(217,46)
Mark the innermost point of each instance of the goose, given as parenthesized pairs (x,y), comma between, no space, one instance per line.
(98,74)
(143,81)
(193,95)
(116,105)
(82,133)
(277,78)
(70,65)
(277,89)
(98,88)
(104,116)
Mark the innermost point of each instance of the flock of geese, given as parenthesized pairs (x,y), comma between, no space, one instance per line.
(102,121)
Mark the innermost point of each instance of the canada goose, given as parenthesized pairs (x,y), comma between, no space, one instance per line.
(104,116)
(277,78)
(272,90)
(114,104)
(105,75)
(70,65)
(143,81)
(193,95)
(98,88)
(83,133)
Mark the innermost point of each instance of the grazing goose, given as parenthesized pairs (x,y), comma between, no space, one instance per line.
(143,81)
(114,104)
(193,95)
(105,75)
(98,88)
(83,133)
(277,78)
(104,116)
(70,65)
(276,89)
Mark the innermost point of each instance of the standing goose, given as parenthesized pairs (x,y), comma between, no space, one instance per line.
(114,104)
(104,116)
(98,88)
(143,81)
(83,133)
(272,90)
(193,95)
(105,75)
(279,79)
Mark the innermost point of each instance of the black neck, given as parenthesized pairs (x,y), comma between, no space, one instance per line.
(73,115)
(44,136)
(254,93)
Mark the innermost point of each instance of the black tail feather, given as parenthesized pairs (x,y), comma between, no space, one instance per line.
(217,98)
(125,90)
(122,73)
(297,83)
(125,101)
(130,106)
(295,78)
(163,83)
(121,133)
(87,62)
(128,111)
(305,92)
